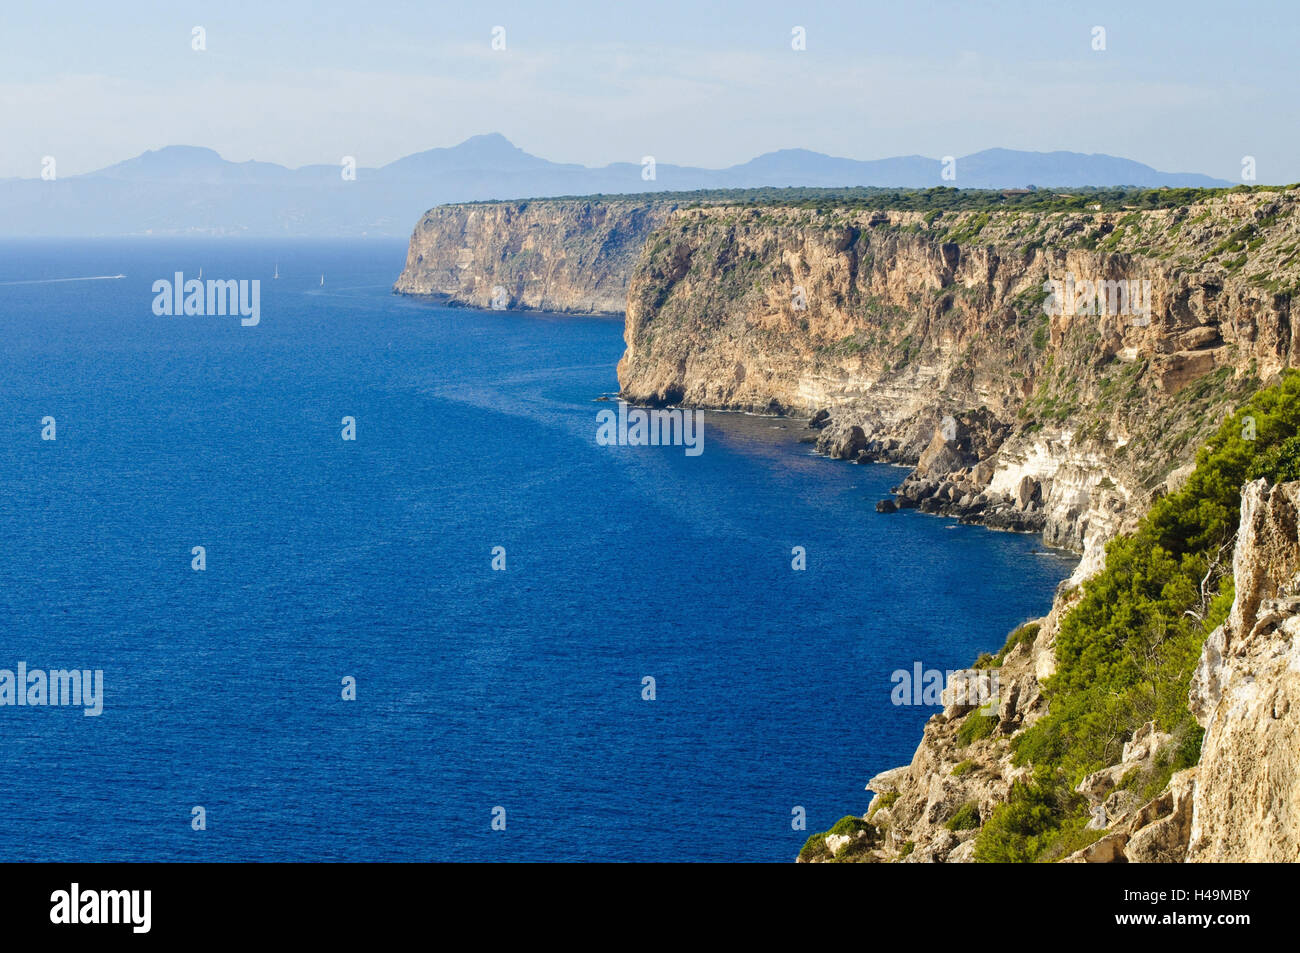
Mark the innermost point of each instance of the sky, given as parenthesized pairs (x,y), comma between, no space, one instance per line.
(1189,86)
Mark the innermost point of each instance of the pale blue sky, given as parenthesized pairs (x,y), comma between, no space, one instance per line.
(1183,86)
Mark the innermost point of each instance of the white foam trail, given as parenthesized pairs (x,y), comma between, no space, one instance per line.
(51,281)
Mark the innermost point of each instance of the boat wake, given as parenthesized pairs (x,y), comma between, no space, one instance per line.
(51,281)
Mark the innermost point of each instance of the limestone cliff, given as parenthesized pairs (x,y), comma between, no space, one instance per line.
(923,339)
(1246,694)
(1241,802)
(913,339)
(552,255)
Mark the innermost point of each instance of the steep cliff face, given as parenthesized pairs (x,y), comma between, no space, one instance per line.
(1241,802)
(553,255)
(911,339)
(752,308)
(924,339)
(917,807)
(1246,694)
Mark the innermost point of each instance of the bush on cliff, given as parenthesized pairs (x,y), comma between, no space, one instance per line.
(815,848)
(976,725)
(1024,635)
(1127,650)
(967,816)
(1042,819)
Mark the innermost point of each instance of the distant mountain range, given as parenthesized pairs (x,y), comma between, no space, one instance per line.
(183,190)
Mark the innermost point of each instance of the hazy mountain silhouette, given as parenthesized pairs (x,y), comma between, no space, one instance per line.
(192,190)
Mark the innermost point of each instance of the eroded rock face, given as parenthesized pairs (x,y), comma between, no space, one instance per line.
(1163,840)
(551,255)
(1240,803)
(1157,832)
(1139,752)
(1246,694)
(923,342)
(889,325)
(947,776)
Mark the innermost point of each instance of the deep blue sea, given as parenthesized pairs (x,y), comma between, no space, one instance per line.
(371,558)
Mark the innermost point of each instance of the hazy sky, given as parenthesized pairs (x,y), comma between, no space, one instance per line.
(1183,86)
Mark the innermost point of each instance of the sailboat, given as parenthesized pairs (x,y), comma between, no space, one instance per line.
(277,270)
(200,272)
(322,281)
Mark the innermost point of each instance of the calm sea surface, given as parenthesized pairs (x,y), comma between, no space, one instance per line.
(326,558)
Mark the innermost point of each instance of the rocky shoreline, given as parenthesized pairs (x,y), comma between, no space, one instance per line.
(883,325)
(1240,802)
(923,340)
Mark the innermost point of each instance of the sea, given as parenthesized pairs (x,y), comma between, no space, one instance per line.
(472,632)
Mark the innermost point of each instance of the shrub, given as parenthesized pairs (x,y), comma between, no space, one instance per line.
(848,824)
(1032,821)
(1024,635)
(886,800)
(967,816)
(814,848)
(1040,336)
(975,725)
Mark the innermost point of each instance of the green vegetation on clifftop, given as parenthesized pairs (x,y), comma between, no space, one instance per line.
(935,201)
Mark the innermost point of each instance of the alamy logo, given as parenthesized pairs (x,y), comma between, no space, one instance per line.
(74,905)
(926,686)
(1107,296)
(651,428)
(948,427)
(56,688)
(215,297)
